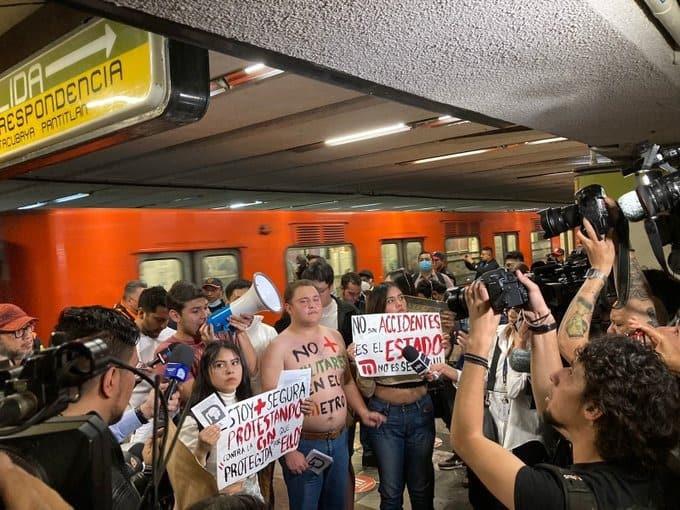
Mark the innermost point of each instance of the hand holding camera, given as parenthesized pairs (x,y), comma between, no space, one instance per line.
(484,320)
(600,251)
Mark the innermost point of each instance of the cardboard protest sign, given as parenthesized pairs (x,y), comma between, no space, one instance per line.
(258,431)
(380,337)
(416,304)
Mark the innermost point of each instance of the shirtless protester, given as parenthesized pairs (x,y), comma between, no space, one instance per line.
(307,344)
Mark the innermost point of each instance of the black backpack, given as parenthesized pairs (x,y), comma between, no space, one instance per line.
(577,494)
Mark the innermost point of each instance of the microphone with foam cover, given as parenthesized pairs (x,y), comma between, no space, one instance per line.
(178,368)
(520,360)
(418,362)
(631,207)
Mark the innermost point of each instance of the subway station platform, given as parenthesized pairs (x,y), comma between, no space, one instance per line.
(449,491)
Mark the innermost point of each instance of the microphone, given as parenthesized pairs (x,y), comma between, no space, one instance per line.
(162,357)
(520,360)
(631,207)
(178,367)
(418,362)
(17,407)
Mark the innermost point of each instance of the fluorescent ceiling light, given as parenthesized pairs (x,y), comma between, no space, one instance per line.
(239,205)
(69,198)
(373,210)
(428,208)
(366,135)
(450,156)
(403,206)
(333,208)
(31,206)
(365,205)
(254,68)
(547,140)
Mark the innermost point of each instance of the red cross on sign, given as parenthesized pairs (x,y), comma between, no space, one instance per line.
(259,406)
(330,343)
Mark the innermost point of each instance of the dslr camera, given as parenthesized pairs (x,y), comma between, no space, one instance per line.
(505,291)
(589,204)
(70,454)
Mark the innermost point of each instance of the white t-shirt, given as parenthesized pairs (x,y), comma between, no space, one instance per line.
(261,335)
(145,350)
(329,315)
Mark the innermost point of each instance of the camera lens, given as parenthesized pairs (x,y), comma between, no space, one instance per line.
(662,195)
(554,221)
(456,303)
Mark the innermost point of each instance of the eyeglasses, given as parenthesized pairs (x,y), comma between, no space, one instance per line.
(223,365)
(20,332)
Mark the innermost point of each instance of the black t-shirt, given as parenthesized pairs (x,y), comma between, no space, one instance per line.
(614,486)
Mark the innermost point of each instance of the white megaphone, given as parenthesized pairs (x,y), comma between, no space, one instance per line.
(261,296)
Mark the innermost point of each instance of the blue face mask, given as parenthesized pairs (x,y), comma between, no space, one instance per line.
(425,266)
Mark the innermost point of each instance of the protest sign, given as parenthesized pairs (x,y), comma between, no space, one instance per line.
(380,337)
(288,377)
(258,431)
(210,410)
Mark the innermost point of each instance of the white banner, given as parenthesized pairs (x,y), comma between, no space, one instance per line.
(380,337)
(259,431)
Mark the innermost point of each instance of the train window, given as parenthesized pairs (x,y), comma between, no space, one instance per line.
(503,243)
(340,257)
(413,249)
(567,241)
(161,271)
(540,248)
(390,257)
(456,249)
(222,265)
(400,253)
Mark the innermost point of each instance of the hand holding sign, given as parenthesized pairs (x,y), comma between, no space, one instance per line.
(381,338)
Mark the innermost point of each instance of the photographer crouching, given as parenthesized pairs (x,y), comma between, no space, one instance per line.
(618,404)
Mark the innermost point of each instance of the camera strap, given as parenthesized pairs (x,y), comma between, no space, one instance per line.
(623,261)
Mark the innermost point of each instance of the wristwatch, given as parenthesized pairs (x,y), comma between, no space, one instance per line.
(593,273)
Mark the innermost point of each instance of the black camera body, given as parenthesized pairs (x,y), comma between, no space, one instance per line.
(70,454)
(505,291)
(589,203)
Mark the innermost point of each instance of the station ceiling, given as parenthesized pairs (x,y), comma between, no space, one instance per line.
(264,144)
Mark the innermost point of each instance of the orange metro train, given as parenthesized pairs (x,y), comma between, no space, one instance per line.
(53,258)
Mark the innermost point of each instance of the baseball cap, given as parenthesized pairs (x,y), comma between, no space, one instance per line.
(213,282)
(13,318)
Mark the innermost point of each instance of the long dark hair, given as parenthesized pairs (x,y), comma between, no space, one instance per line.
(404,281)
(377,299)
(203,387)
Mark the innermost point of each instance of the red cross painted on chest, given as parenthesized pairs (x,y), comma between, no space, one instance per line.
(330,343)
(259,406)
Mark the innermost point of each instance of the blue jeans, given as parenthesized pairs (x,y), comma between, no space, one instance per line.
(326,491)
(403,447)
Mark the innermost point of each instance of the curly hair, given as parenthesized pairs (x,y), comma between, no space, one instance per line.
(638,396)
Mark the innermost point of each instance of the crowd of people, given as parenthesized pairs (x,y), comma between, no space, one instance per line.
(589,423)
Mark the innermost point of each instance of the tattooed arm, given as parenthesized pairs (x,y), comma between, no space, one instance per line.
(575,327)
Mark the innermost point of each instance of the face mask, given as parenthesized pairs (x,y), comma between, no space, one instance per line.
(365,286)
(425,266)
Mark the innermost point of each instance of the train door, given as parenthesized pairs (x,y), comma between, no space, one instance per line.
(503,243)
(456,248)
(540,248)
(166,268)
(340,257)
(400,253)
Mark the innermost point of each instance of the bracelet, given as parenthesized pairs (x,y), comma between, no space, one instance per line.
(543,328)
(540,319)
(476,360)
(140,416)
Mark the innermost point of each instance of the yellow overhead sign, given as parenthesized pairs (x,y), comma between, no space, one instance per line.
(96,80)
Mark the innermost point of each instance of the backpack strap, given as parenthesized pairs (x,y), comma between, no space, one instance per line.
(577,494)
